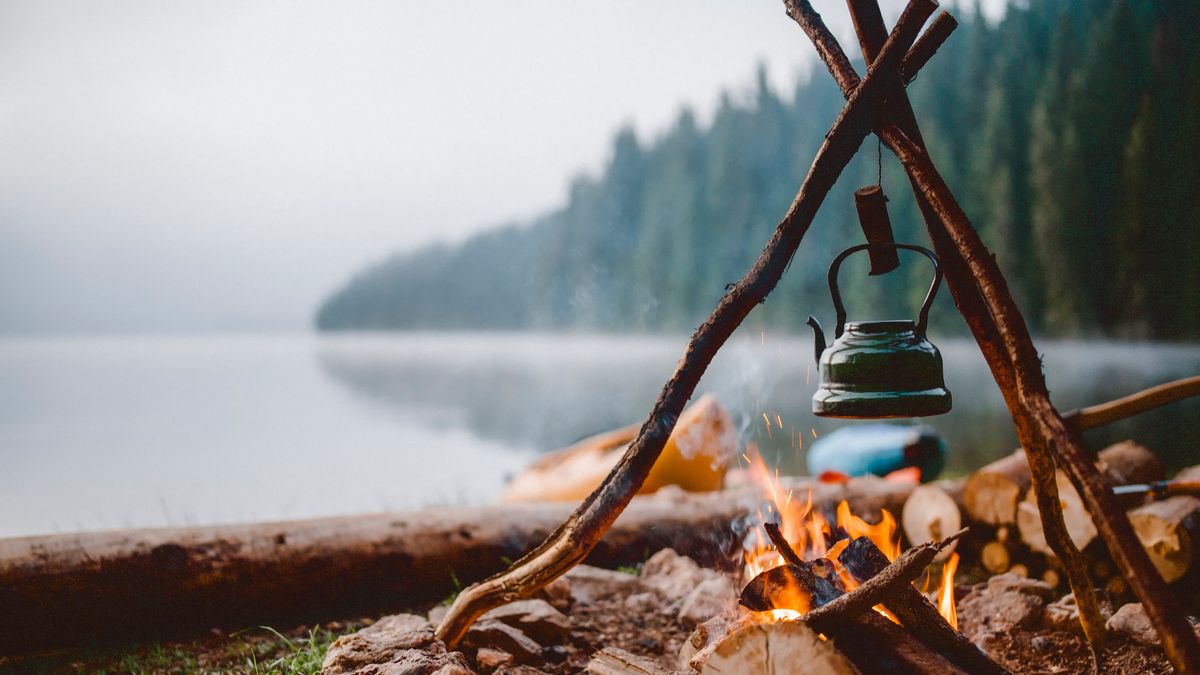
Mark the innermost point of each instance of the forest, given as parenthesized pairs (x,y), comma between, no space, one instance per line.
(1069,129)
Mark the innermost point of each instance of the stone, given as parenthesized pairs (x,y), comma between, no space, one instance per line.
(642,603)
(1063,614)
(558,594)
(1019,584)
(1131,621)
(378,643)
(1000,607)
(674,575)
(614,661)
(488,660)
(503,637)
(588,584)
(1041,644)
(536,618)
(438,613)
(713,597)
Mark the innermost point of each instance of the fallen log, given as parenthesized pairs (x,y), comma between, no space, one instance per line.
(71,589)
(1120,464)
(1170,530)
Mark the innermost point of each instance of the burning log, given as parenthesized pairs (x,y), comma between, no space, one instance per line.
(863,559)
(1122,463)
(1170,530)
(869,640)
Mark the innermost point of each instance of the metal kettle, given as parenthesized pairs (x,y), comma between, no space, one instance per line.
(877,369)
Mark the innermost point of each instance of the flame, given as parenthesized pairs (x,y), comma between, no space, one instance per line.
(808,532)
(946,592)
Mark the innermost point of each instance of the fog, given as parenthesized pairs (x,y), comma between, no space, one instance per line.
(221,165)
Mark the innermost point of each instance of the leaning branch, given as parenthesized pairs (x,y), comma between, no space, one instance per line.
(572,541)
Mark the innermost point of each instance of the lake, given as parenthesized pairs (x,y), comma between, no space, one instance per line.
(110,432)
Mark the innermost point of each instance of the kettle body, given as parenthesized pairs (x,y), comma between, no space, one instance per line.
(879,369)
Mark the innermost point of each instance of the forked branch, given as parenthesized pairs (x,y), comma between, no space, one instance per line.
(573,540)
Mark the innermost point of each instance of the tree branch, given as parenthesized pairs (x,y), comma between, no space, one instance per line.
(571,542)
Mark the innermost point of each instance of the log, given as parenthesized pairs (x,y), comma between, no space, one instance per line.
(1170,530)
(71,589)
(614,661)
(1121,464)
(863,559)
(778,647)
(932,512)
(991,494)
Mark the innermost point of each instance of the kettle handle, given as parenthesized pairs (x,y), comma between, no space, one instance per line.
(923,318)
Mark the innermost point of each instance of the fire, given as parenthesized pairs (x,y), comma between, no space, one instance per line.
(946,592)
(808,532)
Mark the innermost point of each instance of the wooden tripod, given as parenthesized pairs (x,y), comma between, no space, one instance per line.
(877,103)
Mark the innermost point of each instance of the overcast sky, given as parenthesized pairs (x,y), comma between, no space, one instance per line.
(221,165)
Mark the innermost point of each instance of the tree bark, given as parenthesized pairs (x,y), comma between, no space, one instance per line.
(580,533)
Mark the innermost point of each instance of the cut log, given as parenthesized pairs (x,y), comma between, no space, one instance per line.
(990,495)
(932,513)
(995,557)
(68,589)
(779,647)
(1121,464)
(1169,530)
(614,661)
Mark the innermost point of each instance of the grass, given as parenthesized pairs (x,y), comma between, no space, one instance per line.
(254,651)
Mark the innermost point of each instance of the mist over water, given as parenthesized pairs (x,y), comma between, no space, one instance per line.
(103,433)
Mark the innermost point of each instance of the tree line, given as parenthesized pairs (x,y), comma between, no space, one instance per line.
(1069,130)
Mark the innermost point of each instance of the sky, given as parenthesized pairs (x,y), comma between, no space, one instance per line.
(222,165)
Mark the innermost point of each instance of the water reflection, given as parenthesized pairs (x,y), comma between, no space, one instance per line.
(546,391)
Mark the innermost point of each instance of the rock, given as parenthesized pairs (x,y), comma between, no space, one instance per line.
(378,643)
(1131,621)
(1009,603)
(503,637)
(642,603)
(488,660)
(711,598)
(518,670)
(1063,614)
(1019,584)
(558,594)
(536,618)
(674,575)
(1041,644)
(588,584)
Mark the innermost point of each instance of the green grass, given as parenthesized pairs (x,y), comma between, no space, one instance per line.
(254,651)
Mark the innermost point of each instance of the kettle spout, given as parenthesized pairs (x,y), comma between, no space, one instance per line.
(818,338)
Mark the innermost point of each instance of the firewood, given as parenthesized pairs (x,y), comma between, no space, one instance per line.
(863,559)
(990,495)
(995,557)
(931,512)
(778,647)
(1170,530)
(1121,463)
(614,661)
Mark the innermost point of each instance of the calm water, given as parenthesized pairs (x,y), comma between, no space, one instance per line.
(112,432)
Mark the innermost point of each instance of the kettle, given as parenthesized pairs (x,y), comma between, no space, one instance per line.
(878,369)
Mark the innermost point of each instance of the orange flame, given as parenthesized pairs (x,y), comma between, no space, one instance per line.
(946,593)
(806,530)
